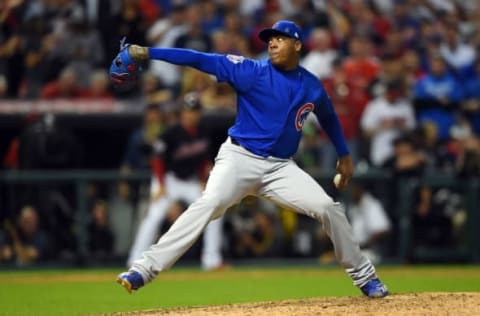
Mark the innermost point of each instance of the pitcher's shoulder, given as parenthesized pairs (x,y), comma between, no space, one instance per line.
(309,76)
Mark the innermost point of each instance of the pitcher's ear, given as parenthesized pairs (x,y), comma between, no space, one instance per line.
(298,46)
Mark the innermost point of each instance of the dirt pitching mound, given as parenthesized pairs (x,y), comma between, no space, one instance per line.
(396,304)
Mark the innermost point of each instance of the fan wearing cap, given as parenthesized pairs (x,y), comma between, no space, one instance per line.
(274,98)
(180,167)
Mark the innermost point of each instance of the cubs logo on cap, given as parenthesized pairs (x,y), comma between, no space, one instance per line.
(283,27)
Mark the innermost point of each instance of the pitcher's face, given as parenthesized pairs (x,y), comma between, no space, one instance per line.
(284,51)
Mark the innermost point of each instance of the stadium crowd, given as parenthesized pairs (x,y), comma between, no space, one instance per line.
(403,75)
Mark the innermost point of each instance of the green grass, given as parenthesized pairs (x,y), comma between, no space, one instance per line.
(84,292)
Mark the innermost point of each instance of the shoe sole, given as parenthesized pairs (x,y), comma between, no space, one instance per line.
(378,295)
(127,285)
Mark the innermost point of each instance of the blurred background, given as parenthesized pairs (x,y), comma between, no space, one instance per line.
(403,75)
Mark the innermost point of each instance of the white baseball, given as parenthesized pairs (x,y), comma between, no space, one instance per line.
(337,179)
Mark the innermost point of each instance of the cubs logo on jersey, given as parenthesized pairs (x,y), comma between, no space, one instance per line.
(302,114)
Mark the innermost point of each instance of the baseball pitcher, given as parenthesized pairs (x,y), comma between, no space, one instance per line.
(274,97)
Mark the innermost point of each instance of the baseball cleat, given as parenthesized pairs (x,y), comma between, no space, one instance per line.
(131,280)
(374,289)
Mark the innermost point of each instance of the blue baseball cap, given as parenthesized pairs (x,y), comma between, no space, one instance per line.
(283,27)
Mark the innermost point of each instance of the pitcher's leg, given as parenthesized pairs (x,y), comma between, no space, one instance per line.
(147,229)
(292,187)
(223,190)
(179,238)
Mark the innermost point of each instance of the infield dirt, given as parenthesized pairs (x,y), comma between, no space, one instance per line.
(437,304)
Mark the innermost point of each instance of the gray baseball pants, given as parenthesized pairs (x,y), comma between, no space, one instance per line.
(237,173)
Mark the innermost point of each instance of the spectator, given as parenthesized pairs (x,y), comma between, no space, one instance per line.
(199,82)
(260,241)
(349,102)
(137,155)
(40,60)
(212,20)
(153,91)
(407,160)
(437,96)
(368,22)
(99,86)
(457,54)
(384,119)
(76,50)
(212,94)
(432,225)
(99,14)
(66,86)
(370,222)
(151,10)
(438,156)
(412,69)
(391,70)
(465,147)
(30,242)
(222,43)
(321,55)
(407,163)
(129,22)
(255,230)
(234,25)
(361,66)
(163,33)
(195,38)
(100,236)
(65,13)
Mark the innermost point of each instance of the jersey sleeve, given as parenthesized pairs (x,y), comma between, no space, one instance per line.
(206,62)
(237,70)
(328,119)
(234,69)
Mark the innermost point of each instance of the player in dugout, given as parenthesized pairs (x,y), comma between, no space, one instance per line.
(274,97)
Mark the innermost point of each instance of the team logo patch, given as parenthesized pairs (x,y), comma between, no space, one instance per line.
(235,58)
(302,114)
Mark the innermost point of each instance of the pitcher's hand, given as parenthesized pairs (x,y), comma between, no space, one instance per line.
(345,168)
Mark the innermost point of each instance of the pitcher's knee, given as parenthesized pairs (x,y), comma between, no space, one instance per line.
(324,210)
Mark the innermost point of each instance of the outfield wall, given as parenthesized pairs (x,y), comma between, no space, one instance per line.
(75,187)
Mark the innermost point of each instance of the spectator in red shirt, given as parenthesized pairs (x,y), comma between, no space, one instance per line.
(99,88)
(361,67)
(64,87)
(349,102)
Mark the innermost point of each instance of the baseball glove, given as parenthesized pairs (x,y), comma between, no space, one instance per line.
(127,65)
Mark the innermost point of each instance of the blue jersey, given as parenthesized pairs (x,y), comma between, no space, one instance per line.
(272,105)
